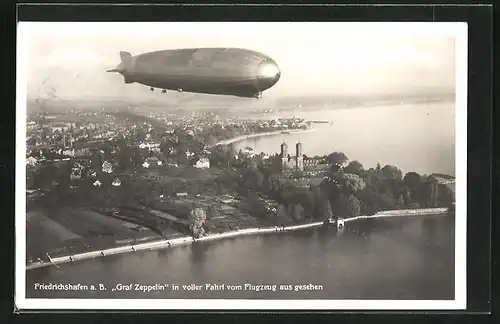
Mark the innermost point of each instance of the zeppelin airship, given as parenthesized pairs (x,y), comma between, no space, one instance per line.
(221,71)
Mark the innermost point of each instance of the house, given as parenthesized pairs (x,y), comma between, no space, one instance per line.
(59,127)
(172,164)
(69,152)
(189,154)
(31,125)
(76,172)
(31,161)
(33,193)
(151,146)
(151,161)
(107,167)
(116,182)
(202,163)
(248,152)
(82,152)
(97,183)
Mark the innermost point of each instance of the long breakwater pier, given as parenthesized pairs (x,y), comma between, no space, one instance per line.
(162,244)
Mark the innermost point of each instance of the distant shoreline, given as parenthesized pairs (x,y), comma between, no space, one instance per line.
(244,137)
(354,104)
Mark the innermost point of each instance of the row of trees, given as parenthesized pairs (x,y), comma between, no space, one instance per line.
(347,190)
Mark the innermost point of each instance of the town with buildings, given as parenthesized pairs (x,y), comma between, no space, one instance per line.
(75,156)
(98,179)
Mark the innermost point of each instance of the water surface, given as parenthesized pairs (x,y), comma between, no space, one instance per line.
(391,258)
(413,137)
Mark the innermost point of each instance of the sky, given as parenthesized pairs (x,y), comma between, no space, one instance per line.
(68,60)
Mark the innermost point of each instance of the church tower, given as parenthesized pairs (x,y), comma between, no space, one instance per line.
(284,155)
(299,157)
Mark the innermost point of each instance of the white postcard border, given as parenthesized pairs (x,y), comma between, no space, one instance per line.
(455,29)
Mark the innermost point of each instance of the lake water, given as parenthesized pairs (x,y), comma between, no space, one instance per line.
(391,258)
(414,137)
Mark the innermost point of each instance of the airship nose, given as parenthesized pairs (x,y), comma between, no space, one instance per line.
(268,69)
(268,74)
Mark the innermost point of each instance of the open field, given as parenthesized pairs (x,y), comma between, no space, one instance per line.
(144,208)
(36,219)
(78,229)
(86,222)
(169,217)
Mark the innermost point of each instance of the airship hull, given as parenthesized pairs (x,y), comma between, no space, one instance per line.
(224,71)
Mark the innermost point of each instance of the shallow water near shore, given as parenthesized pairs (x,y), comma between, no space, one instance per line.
(397,258)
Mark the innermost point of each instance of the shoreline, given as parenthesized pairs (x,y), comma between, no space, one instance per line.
(244,137)
(249,231)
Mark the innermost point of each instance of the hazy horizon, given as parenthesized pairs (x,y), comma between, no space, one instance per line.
(68,60)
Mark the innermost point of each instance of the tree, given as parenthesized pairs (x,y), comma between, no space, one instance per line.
(412,180)
(125,157)
(407,196)
(401,201)
(369,201)
(387,201)
(221,156)
(97,161)
(298,174)
(324,210)
(31,141)
(339,206)
(252,179)
(197,218)
(337,157)
(297,212)
(354,206)
(428,192)
(281,213)
(320,200)
(63,177)
(30,177)
(254,206)
(445,196)
(276,186)
(328,213)
(210,140)
(392,172)
(352,182)
(309,203)
(294,195)
(136,157)
(354,167)
(346,206)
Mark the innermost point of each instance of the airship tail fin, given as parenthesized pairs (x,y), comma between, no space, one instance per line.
(126,58)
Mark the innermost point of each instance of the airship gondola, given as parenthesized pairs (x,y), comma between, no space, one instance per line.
(221,71)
